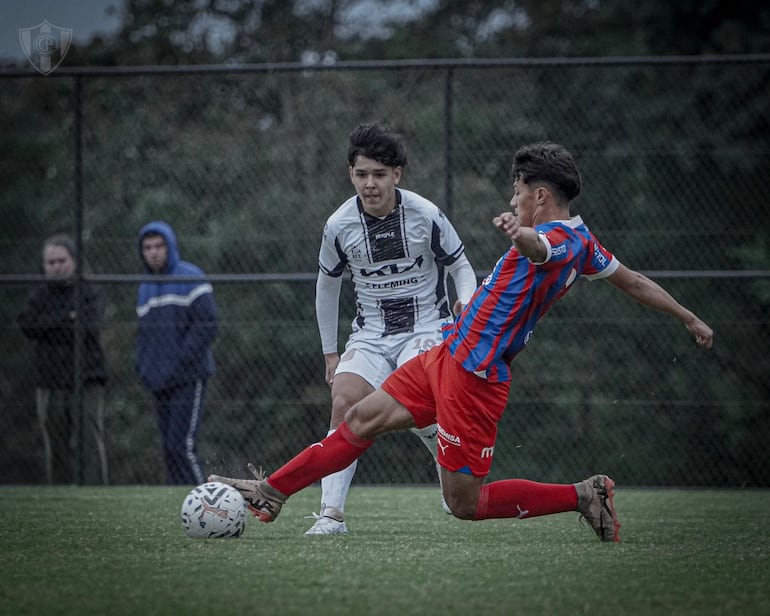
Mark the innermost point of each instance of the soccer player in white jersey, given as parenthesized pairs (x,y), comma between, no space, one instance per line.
(399,247)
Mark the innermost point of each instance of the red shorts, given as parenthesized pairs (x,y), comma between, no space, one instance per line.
(437,389)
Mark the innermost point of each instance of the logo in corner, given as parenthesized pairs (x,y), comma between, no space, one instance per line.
(45,45)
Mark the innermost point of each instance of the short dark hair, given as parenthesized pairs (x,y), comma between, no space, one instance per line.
(549,163)
(152,234)
(62,241)
(377,141)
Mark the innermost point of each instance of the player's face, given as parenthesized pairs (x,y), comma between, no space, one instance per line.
(57,262)
(525,202)
(154,252)
(375,184)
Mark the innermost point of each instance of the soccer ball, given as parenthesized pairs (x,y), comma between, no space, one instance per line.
(214,510)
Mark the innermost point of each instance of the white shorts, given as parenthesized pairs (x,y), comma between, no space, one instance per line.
(374,359)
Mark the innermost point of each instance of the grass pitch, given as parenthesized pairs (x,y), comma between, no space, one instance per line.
(122,550)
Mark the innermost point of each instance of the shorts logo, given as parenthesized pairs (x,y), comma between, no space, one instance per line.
(487,452)
(348,355)
(449,438)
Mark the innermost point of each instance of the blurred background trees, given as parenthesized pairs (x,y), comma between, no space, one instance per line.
(248,164)
(256,31)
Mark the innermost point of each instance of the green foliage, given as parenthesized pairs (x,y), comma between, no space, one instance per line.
(248,165)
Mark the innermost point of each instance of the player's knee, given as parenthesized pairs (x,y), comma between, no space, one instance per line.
(361,423)
(353,418)
(340,406)
(461,506)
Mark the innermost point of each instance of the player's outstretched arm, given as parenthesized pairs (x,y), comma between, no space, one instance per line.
(652,295)
(526,239)
(464,279)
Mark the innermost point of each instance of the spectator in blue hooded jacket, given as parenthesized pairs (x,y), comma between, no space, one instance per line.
(177,326)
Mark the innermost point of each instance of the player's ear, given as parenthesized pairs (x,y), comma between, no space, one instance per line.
(397,173)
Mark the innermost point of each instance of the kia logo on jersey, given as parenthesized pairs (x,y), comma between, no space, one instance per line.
(393,268)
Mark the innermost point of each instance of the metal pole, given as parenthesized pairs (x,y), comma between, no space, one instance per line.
(448,140)
(77,295)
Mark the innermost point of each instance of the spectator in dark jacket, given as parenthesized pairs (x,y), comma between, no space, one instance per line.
(50,318)
(177,326)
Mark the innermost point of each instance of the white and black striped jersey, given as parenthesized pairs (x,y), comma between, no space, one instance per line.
(398,263)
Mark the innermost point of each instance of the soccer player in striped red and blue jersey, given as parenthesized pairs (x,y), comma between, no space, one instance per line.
(463,384)
(500,318)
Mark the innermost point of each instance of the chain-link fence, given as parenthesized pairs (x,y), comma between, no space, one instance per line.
(248,162)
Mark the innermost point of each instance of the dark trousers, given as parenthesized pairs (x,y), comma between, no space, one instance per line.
(65,458)
(179,412)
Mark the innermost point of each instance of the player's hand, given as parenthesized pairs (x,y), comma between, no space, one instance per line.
(332,360)
(457,307)
(704,335)
(508,223)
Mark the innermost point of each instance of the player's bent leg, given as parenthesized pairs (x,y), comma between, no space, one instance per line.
(461,492)
(377,414)
(347,389)
(444,505)
(330,520)
(522,498)
(334,487)
(429,437)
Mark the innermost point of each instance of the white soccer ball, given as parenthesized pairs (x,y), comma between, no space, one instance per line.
(214,510)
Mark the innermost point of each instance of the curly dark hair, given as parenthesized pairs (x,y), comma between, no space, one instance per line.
(377,141)
(549,163)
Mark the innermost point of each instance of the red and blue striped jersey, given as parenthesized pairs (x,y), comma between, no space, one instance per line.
(500,318)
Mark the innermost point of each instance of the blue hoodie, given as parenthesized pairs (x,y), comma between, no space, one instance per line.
(177,321)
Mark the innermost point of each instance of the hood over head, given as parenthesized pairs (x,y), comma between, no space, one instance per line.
(167,232)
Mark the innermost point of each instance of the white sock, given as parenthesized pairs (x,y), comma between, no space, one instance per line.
(429,437)
(334,487)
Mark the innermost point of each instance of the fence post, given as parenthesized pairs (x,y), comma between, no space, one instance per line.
(78,297)
(448,139)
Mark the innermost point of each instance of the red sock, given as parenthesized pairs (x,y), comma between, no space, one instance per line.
(520,498)
(332,454)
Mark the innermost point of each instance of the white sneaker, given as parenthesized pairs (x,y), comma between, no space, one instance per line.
(329,522)
(444,506)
